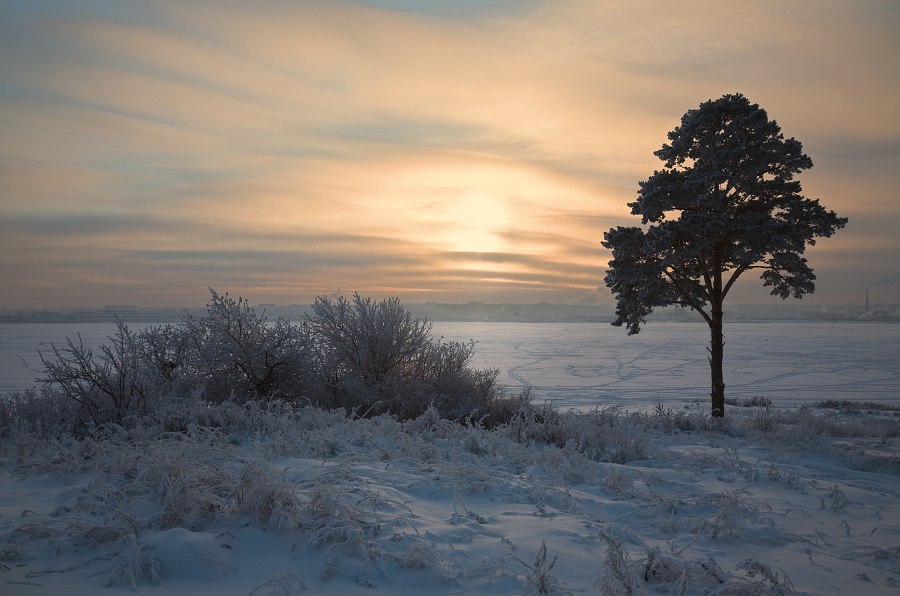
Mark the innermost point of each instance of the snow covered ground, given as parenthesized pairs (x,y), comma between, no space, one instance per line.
(240,501)
(313,502)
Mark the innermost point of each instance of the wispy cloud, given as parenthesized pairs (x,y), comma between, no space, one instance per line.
(434,150)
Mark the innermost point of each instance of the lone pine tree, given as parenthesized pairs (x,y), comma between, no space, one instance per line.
(725,202)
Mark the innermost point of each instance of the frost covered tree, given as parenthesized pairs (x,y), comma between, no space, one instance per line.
(725,202)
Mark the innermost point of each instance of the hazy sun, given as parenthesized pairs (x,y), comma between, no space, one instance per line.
(474,223)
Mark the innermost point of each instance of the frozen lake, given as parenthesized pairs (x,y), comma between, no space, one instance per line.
(583,365)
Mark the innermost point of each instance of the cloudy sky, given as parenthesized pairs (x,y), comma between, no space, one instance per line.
(447,150)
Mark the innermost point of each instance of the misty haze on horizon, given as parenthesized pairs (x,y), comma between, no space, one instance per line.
(475,311)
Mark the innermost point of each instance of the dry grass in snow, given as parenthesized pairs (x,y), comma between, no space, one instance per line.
(269,500)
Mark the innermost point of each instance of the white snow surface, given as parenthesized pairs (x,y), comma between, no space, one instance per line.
(320,504)
(582,365)
(246,502)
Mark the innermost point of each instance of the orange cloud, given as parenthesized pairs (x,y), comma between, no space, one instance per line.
(293,148)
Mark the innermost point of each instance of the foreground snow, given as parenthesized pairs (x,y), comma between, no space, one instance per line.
(241,501)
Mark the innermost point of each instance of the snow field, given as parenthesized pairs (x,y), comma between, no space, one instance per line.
(281,502)
(585,364)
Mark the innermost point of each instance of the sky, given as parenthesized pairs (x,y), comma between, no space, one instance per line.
(434,150)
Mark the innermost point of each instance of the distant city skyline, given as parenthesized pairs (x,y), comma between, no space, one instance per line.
(435,150)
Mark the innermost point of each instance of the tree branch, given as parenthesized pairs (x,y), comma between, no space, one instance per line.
(687,299)
(737,273)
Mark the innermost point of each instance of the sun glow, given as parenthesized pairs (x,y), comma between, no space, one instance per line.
(474,222)
(282,149)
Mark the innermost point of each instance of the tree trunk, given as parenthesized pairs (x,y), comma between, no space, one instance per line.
(716,354)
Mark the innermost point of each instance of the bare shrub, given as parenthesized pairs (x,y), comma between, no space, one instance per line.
(845,404)
(659,567)
(619,578)
(753,402)
(41,410)
(359,355)
(262,493)
(165,352)
(766,419)
(603,434)
(538,579)
(619,483)
(194,488)
(733,511)
(367,340)
(881,428)
(422,555)
(109,387)
(133,563)
(377,358)
(233,352)
(769,582)
(673,421)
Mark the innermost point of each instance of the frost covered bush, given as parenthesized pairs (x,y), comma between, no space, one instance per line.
(603,434)
(368,341)
(538,579)
(263,494)
(42,408)
(856,406)
(672,421)
(764,419)
(359,355)
(619,577)
(868,426)
(377,358)
(133,563)
(234,352)
(111,386)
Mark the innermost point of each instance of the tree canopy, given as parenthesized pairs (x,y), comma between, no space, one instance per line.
(724,203)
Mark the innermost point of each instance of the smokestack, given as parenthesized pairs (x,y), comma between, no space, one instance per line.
(867,300)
